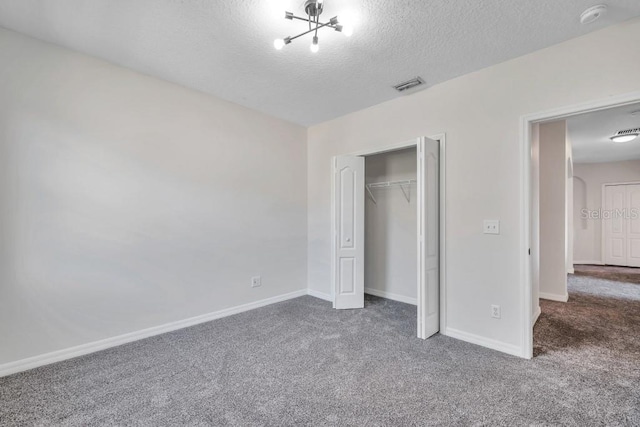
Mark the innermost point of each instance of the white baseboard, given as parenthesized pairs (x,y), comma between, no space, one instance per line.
(319,294)
(535,316)
(588,262)
(571,271)
(391,296)
(92,347)
(511,349)
(554,297)
(381,294)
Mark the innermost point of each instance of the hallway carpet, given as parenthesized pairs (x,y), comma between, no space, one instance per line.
(609,272)
(302,363)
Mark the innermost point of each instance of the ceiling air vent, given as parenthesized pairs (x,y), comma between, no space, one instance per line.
(409,84)
(627,132)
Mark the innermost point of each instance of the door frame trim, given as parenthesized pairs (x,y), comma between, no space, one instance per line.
(526,121)
(441,138)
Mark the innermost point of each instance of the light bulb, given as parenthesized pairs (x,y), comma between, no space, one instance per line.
(624,138)
(275,8)
(349,20)
(278,44)
(314,45)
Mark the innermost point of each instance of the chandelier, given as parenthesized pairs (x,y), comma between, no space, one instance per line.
(313,9)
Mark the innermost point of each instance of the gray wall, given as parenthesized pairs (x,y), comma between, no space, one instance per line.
(127,202)
(553,210)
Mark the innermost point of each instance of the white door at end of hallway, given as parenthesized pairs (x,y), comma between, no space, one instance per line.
(621,225)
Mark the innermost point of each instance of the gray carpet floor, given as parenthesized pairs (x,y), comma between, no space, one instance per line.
(609,272)
(302,363)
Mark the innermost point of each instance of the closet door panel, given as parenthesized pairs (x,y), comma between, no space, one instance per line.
(348,232)
(429,238)
(615,225)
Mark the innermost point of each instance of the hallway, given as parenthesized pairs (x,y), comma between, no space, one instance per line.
(609,272)
(596,330)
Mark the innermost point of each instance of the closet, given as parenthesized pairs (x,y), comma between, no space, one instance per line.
(391,225)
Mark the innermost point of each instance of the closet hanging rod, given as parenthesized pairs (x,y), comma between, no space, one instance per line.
(386,184)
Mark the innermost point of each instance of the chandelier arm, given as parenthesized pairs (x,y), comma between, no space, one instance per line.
(301,18)
(310,31)
(328,24)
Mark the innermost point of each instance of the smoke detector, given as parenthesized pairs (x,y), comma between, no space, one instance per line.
(592,14)
(410,84)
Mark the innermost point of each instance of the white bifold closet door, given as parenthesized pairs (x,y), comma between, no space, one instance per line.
(348,232)
(428,237)
(622,225)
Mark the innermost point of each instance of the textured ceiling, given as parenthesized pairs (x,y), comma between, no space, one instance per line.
(225,47)
(590,135)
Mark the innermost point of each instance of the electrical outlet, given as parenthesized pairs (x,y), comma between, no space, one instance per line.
(491,226)
(256,282)
(495,311)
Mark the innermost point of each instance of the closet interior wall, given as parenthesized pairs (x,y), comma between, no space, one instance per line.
(391,226)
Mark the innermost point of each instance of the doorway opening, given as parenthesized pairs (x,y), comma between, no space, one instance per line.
(383,202)
(391,226)
(581,190)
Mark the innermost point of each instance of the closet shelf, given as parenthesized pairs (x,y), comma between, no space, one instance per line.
(386,184)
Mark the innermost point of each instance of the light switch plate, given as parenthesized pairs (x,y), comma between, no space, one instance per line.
(491,226)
